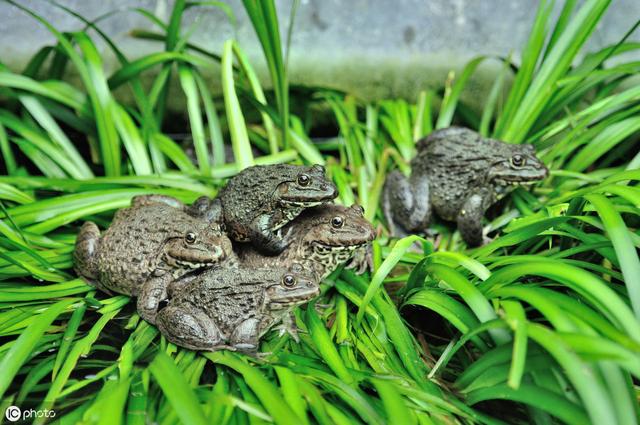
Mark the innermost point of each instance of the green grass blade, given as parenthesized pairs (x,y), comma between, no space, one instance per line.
(235,118)
(530,57)
(265,23)
(215,132)
(188,82)
(556,64)
(27,341)
(452,95)
(135,68)
(7,154)
(56,134)
(254,83)
(517,320)
(174,152)
(622,243)
(177,390)
(394,405)
(131,139)
(538,397)
(266,391)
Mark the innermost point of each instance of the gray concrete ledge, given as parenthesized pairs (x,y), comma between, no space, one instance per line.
(372,48)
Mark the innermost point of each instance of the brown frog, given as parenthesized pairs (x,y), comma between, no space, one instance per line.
(322,238)
(146,247)
(260,200)
(231,308)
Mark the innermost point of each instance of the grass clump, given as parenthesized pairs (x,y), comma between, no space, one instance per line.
(545,317)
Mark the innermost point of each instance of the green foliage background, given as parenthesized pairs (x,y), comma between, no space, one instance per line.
(539,326)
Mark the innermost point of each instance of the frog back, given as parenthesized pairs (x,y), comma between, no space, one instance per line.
(251,193)
(228,297)
(131,249)
(456,160)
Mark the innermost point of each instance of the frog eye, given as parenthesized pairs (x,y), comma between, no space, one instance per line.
(337,222)
(289,281)
(190,237)
(303,180)
(518,160)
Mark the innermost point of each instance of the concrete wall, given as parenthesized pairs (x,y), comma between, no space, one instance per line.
(373,48)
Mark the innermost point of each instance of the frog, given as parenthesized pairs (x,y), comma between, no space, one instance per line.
(458,174)
(233,308)
(324,237)
(260,200)
(145,248)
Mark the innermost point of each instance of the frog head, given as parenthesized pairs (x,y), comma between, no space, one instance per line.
(294,287)
(304,187)
(197,248)
(332,233)
(514,165)
(459,158)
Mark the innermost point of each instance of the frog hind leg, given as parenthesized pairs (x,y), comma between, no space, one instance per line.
(245,335)
(264,239)
(152,292)
(189,329)
(406,203)
(85,251)
(143,200)
(470,217)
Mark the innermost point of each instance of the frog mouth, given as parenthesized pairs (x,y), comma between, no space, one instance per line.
(303,204)
(293,301)
(322,248)
(191,265)
(279,305)
(504,182)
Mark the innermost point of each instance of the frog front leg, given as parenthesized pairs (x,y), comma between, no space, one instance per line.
(470,217)
(245,335)
(362,260)
(143,200)
(152,292)
(406,202)
(289,326)
(192,329)
(264,238)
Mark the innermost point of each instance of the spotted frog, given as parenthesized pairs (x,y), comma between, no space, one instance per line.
(260,200)
(146,247)
(323,238)
(232,308)
(459,174)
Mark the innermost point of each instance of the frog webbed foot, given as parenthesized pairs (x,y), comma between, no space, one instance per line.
(288,326)
(264,239)
(190,329)
(142,200)
(362,260)
(287,235)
